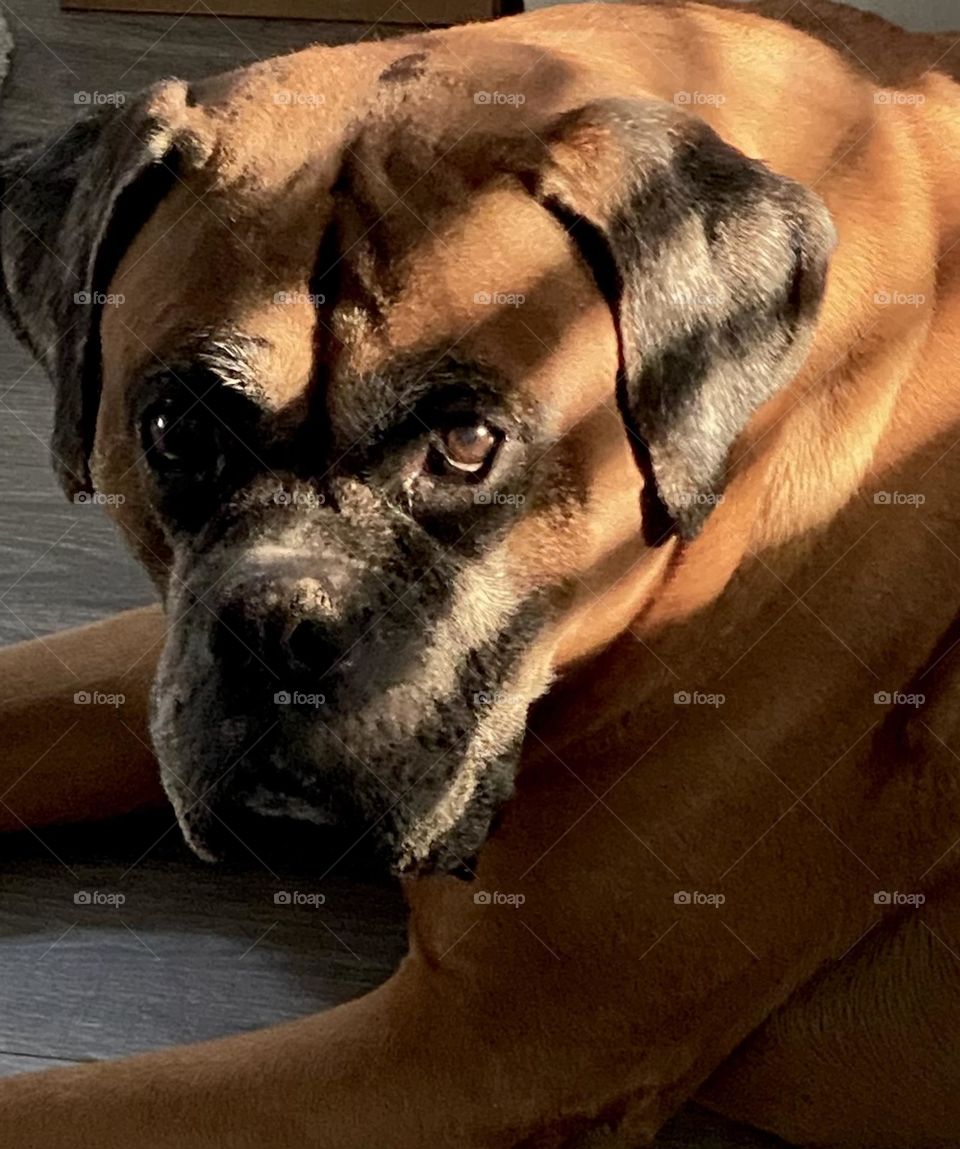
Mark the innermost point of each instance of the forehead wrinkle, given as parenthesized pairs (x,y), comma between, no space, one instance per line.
(409,179)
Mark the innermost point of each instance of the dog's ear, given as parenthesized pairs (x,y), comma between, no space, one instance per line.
(714,266)
(69,207)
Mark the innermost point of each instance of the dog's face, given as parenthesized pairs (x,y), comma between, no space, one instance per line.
(389,401)
(365,510)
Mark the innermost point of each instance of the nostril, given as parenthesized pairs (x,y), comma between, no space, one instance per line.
(311,646)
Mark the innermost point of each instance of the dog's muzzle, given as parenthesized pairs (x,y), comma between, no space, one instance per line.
(320,683)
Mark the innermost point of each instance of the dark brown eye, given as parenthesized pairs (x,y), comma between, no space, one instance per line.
(177,439)
(158,430)
(469,448)
(168,439)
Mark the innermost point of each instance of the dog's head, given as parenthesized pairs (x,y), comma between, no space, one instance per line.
(393,380)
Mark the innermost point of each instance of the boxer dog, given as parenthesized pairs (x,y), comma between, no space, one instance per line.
(542,436)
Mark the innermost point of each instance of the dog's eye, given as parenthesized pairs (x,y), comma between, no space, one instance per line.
(469,448)
(174,439)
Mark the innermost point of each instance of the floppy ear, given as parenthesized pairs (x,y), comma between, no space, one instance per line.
(715,267)
(69,207)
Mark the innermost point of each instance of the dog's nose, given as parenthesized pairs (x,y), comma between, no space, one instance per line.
(310,646)
(283,635)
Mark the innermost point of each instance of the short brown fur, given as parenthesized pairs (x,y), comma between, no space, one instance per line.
(801,1006)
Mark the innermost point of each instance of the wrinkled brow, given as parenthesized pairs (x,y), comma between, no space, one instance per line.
(370,406)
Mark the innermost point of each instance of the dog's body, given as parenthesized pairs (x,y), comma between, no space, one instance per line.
(801,1004)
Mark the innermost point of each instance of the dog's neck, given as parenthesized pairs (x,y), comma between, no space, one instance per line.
(857,419)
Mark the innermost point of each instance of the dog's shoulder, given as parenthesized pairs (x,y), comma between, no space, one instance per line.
(876,48)
(891,55)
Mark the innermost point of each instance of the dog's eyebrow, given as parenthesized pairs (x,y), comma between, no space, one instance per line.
(233,357)
(411,380)
(401,394)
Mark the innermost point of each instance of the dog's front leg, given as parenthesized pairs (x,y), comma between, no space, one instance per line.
(510,1025)
(73,722)
(577,985)
(420,1062)
(413,1064)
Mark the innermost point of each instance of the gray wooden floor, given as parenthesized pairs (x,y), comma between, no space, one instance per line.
(59,564)
(192,952)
